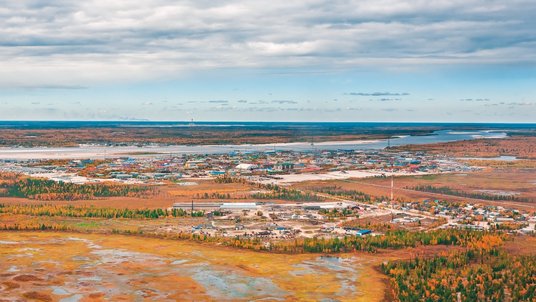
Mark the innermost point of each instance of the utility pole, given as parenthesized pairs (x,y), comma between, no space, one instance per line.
(392,181)
(392,171)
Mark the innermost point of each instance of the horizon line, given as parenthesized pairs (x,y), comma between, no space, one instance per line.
(242,121)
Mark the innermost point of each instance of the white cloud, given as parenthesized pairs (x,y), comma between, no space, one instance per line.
(64,42)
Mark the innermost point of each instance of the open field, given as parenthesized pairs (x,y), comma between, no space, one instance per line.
(502,164)
(102,225)
(522,245)
(84,267)
(51,266)
(520,182)
(519,146)
(335,175)
(208,189)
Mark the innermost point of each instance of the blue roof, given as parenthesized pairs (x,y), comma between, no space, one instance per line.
(364,232)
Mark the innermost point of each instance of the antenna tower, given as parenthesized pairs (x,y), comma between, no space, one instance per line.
(392,171)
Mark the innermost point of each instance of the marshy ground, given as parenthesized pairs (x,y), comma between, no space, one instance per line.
(48,266)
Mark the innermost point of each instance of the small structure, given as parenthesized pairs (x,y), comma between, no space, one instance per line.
(196,206)
(363,232)
(239,206)
(286,166)
(246,167)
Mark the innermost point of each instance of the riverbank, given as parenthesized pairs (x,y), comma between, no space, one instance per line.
(101,151)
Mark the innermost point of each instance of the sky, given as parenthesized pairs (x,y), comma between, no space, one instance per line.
(363,60)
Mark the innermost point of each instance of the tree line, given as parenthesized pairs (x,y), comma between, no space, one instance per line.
(349,194)
(453,192)
(207,195)
(390,240)
(287,194)
(226,179)
(94,212)
(44,189)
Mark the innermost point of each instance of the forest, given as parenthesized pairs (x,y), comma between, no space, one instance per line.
(482,274)
(14,185)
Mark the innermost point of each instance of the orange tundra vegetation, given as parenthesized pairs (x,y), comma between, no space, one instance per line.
(519,146)
(178,136)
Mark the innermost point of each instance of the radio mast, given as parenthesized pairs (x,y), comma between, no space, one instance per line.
(392,171)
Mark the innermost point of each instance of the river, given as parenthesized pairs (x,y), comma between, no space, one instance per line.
(97,151)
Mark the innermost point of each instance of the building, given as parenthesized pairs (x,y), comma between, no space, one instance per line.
(239,206)
(246,167)
(363,232)
(286,166)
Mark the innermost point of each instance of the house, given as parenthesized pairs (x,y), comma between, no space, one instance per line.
(363,232)
(285,166)
(194,164)
(246,167)
(122,176)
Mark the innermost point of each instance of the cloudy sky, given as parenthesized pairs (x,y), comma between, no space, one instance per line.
(363,60)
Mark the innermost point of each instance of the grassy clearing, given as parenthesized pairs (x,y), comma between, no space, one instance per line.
(56,259)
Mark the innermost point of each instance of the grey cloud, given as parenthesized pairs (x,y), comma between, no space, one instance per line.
(278,109)
(386,99)
(475,100)
(284,102)
(218,101)
(377,93)
(98,41)
(259,102)
(521,104)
